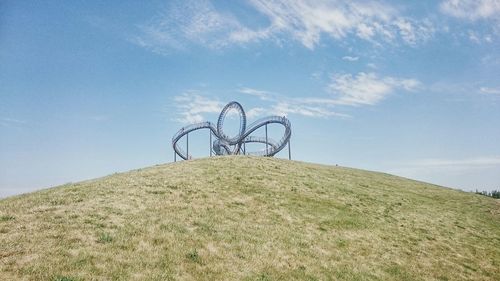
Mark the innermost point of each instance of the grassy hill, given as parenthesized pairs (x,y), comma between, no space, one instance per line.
(246,218)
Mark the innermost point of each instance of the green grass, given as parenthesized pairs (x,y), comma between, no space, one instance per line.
(64,278)
(105,238)
(6,218)
(246,218)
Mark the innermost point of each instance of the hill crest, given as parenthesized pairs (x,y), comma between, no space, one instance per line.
(249,218)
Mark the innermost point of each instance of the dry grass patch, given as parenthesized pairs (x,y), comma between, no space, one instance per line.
(246,218)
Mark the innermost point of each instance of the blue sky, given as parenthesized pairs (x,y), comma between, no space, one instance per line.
(89,88)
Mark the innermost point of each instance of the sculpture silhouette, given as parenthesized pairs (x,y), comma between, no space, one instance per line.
(225,145)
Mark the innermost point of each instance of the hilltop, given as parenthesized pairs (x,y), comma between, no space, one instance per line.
(248,218)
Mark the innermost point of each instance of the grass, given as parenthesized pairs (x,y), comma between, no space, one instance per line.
(246,218)
(6,218)
(194,256)
(105,238)
(63,278)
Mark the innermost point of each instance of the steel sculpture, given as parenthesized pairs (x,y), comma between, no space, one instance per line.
(226,145)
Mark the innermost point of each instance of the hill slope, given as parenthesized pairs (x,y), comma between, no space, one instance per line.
(245,218)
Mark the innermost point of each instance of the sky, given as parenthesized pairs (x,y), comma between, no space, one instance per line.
(91,88)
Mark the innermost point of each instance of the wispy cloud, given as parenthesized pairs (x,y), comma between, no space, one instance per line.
(349,58)
(474,37)
(422,167)
(462,163)
(295,106)
(191,106)
(199,22)
(11,122)
(489,91)
(281,105)
(465,91)
(414,32)
(187,22)
(261,94)
(366,88)
(307,21)
(255,112)
(472,9)
(465,173)
(481,17)
(343,90)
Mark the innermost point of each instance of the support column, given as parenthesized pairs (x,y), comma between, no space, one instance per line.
(244,149)
(266,142)
(187,146)
(289,151)
(210,144)
(175,156)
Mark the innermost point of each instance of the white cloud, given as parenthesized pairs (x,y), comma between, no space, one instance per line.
(489,91)
(255,112)
(419,168)
(460,163)
(245,35)
(472,9)
(349,58)
(281,105)
(479,37)
(191,107)
(366,88)
(284,108)
(412,32)
(263,95)
(190,22)
(491,59)
(317,75)
(458,173)
(474,37)
(307,21)
(11,122)
(344,90)
(201,23)
(364,31)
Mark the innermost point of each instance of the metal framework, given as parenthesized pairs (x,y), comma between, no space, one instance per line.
(225,145)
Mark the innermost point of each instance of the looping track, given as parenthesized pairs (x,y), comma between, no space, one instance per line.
(224,145)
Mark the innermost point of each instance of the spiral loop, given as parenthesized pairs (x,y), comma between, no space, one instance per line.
(224,145)
(222,117)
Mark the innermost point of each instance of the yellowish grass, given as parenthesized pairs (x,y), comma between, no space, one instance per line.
(246,218)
